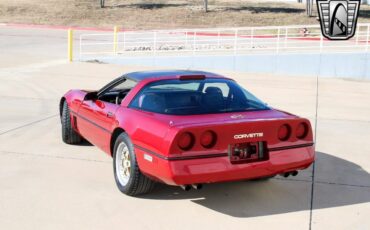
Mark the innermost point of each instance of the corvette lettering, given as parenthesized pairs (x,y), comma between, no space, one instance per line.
(248,135)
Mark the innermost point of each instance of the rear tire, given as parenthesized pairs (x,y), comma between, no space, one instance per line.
(69,135)
(127,175)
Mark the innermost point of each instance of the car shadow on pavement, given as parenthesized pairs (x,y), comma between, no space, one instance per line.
(338,182)
(85,142)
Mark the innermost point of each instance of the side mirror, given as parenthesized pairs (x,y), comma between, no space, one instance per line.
(91,96)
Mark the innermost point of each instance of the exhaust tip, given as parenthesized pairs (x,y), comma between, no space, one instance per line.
(292,173)
(197,186)
(185,187)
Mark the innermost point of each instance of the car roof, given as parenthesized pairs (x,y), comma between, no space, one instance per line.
(142,75)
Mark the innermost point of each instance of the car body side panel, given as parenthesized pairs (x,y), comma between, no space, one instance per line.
(144,128)
(91,118)
(96,121)
(74,99)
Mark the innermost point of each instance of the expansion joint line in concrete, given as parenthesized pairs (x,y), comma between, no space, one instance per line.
(51,156)
(29,124)
(325,182)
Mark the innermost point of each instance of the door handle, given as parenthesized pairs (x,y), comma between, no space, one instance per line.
(109,114)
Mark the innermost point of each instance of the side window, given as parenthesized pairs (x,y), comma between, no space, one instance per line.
(116,94)
(125,85)
(220,85)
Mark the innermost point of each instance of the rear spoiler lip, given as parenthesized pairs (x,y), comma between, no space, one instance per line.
(245,120)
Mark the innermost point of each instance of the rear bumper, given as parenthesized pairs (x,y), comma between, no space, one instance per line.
(217,169)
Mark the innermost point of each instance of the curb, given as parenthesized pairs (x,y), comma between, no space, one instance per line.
(56,27)
(61,27)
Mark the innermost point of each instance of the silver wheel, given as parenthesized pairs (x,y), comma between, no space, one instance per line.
(127,174)
(123,164)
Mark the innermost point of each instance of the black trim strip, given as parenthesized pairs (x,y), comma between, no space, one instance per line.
(182,157)
(198,157)
(91,122)
(213,155)
(151,152)
(291,147)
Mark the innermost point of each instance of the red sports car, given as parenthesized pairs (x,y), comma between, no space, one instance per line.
(185,128)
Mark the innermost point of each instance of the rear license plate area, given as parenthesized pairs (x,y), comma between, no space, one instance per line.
(248,152)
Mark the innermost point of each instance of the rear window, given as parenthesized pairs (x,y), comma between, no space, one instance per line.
(190,97)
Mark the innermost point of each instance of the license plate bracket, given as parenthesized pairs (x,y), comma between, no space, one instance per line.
(248,152)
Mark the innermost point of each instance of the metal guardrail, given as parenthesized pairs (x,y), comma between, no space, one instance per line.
(226,41)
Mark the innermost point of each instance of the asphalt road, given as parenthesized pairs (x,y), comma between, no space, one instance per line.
(46,184)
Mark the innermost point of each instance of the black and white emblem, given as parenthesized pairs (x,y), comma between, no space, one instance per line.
(338,18)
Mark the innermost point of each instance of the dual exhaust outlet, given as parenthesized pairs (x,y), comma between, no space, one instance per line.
(292,173)
(187,187)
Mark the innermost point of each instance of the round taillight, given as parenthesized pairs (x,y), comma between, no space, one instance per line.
(208,139)
(284,132)
(301,130)
(186,141)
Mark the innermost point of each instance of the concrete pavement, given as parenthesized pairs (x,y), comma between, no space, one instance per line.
(46,184)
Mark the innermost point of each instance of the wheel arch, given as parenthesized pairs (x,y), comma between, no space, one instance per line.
(117,131)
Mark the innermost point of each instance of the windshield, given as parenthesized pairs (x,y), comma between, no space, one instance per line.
(190,97)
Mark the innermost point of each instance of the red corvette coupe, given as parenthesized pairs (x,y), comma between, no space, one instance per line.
(185,128)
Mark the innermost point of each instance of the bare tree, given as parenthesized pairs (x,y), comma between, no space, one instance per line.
(309,7)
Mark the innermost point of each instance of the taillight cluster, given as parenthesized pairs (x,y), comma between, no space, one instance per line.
(301,131)
(187,140)
(208,139)
(285,131)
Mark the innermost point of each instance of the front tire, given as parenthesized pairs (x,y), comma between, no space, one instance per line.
(69,135)
(127,175)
